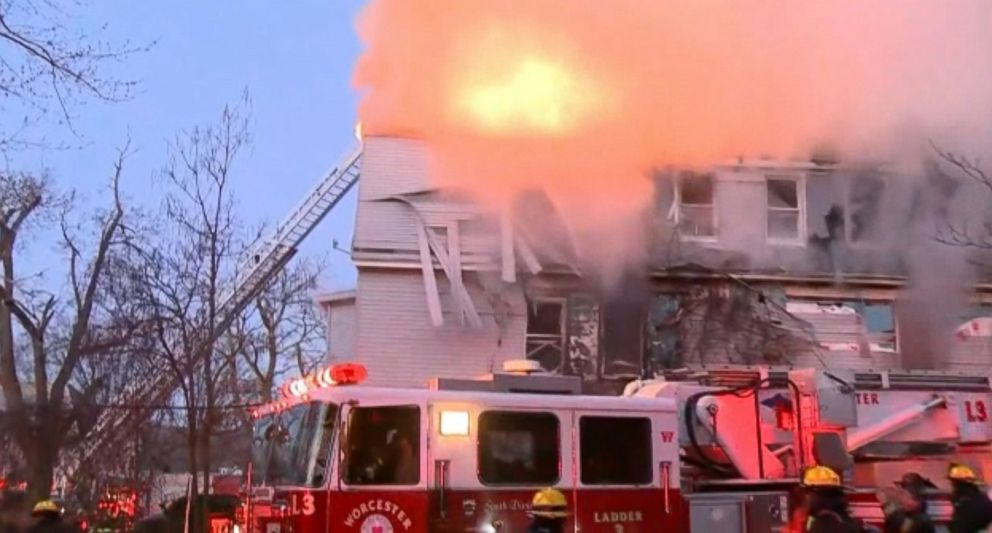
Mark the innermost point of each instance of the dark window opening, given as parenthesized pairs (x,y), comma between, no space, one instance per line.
(696,213)
(601,438)
(863,201)
(696,188)
(623,341)
(383,446)
(518,448)
(546,333)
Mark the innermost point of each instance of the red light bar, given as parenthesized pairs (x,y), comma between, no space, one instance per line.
(349,373)
(340,374)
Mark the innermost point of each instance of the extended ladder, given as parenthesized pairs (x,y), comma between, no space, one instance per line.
(266,259)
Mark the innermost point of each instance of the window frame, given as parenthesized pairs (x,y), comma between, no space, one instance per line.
(800,209)
(561,341)
(854,303)
(848,191)
(344,466)
(649,442)
(679,216)
(478,448)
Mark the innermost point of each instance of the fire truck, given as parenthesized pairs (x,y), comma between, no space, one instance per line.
(694,450)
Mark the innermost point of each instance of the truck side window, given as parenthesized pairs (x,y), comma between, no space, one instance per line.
(599,439)
(518,448)
(383,446)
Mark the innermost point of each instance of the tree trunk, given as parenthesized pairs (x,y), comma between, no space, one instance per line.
(192,443)
(41,469)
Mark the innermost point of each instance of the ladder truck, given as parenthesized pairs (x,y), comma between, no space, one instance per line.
(265,259)
(692,451)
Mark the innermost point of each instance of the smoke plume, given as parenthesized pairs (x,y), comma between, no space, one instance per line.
(584,98)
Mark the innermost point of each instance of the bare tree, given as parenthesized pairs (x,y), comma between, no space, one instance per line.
(45,337)
(186,268)
(283,331)
(47,64)
(976,234)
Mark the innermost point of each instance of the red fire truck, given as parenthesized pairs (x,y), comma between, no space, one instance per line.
(716,449)
(463,457)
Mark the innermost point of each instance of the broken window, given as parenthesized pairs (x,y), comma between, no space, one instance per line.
(975,321)
(880,323)
(696,214)
(623,339)
(440,234)
(546,332)
(583,329)
(850,323)
(785,208)
(863,197)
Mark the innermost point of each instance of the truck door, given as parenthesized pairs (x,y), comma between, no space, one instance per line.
(488,461)
(381,476)
(627,471)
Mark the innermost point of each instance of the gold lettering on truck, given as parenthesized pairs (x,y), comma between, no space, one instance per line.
(379,507)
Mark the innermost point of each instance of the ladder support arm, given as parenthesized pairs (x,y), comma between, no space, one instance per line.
(861,436)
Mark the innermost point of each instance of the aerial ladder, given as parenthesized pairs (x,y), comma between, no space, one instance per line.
(266,259)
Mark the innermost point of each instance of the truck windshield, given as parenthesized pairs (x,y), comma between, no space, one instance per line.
(288,448)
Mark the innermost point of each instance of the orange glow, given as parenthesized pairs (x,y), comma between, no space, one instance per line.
(535,95)
(586,98)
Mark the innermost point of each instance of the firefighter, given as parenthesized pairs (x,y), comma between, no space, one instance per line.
(824,507)
(972,508)
(48,518)
(549,510)
(906,507)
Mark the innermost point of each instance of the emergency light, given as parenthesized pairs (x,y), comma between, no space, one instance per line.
(339,374)
(300,388)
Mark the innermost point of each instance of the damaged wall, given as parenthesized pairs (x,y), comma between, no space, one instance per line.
(410,240)
(855,221)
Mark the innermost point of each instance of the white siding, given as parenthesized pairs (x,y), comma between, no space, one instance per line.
(392,166)
(386,229)
(971,354)
(835,330)
(401,348)
(341,331)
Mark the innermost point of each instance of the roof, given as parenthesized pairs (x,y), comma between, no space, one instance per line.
(335,297)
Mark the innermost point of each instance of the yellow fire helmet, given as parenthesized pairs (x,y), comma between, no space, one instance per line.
(960,472)
(549,503)
(45,507)
(821,476)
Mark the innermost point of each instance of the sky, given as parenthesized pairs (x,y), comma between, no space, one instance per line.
(295,59)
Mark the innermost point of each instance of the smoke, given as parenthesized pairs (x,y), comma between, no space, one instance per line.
(583,98)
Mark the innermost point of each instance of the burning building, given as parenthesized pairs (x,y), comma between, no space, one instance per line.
(751,262)
(616,188)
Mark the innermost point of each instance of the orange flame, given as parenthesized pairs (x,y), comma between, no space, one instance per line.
(585,97)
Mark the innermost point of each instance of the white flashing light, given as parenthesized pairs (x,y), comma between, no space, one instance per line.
(299,389)
(332,376)
(454,423)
